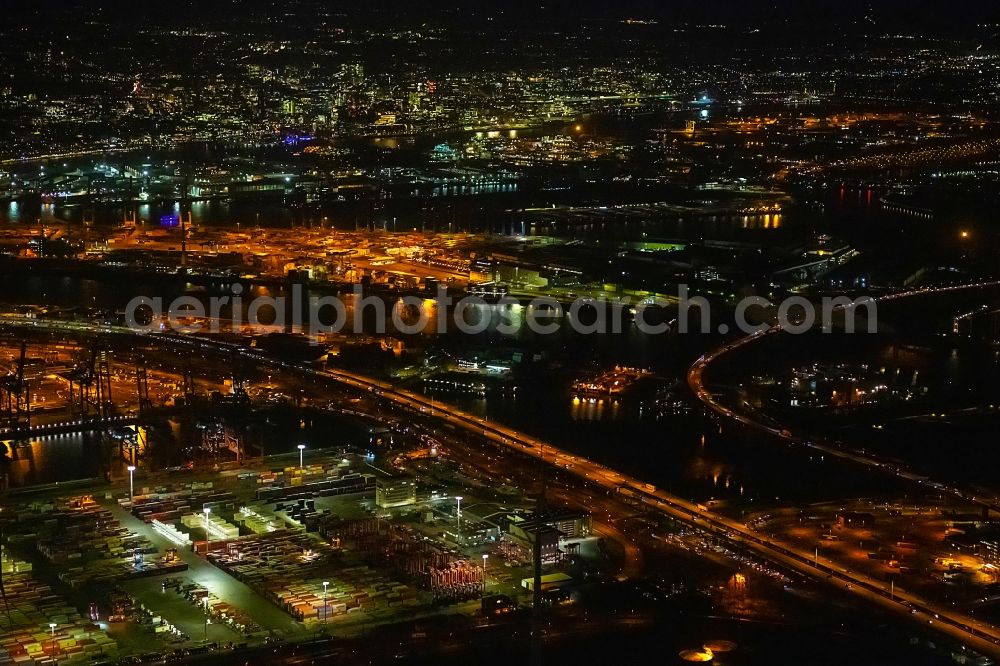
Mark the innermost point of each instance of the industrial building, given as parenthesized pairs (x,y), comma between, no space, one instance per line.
(521,535)
(395,490)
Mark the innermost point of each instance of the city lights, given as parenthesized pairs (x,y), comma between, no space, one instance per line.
(588,319)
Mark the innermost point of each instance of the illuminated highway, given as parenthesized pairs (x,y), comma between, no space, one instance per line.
(696,381)
(979,635)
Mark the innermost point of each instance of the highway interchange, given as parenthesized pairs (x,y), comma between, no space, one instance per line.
(696,381)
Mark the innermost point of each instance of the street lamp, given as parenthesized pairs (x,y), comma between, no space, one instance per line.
(485,557)
(52,628)
(207,511)
(131,483)
(326,609)
(458,511)
(302,448)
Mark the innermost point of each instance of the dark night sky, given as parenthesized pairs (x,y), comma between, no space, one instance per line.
(913,13)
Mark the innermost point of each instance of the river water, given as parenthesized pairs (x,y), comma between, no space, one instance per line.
(690,452)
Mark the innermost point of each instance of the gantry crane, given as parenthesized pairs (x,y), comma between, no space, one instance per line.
(90,386)
(15,395)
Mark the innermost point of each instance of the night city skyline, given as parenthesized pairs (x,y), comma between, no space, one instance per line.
(499,333)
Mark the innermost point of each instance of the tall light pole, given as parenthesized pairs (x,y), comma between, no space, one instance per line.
(302,448)
(326,609)
(52,629)
(207,510)
(458,511)
(485,557)
(131,482)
